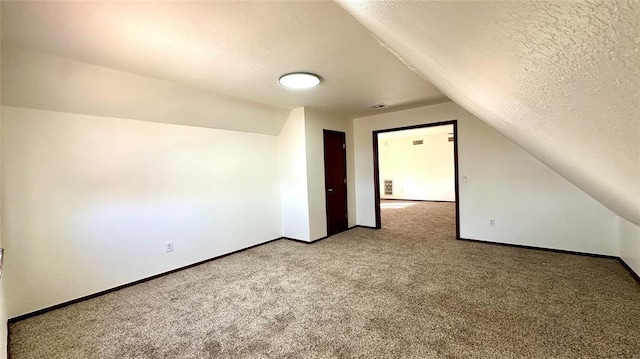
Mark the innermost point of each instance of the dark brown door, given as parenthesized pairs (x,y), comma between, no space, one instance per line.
(335,181)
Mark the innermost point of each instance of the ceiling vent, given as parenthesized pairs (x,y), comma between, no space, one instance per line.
(379,106)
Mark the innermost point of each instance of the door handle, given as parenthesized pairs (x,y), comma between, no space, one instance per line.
(330,190)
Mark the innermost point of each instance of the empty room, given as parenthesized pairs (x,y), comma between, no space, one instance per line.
(207,179)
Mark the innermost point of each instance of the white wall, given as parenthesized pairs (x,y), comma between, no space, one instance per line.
(532,205)
(316,122)
(3,303)
(630,244)
(88,202)
(293,177)
(419,172)
(301,145)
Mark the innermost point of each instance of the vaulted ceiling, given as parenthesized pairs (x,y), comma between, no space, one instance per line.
(560,79)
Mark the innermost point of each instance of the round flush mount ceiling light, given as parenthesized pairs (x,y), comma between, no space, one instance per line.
(299,80)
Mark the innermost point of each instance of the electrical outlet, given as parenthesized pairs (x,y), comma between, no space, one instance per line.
(492,223)
(464,178)
(168,247)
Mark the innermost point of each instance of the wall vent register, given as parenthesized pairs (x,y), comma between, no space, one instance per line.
(388,187)
(418,142)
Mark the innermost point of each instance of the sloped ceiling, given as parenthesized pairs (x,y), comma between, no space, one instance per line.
(561,79)
(236,49)
(37,80)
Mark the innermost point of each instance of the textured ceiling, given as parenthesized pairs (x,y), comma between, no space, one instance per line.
(561,79)
(232,48)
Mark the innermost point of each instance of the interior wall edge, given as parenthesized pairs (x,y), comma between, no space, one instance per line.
(629,242)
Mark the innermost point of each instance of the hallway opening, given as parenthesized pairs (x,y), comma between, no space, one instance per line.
(416,175)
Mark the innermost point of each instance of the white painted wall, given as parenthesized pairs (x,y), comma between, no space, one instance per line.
(316,122)
(301,144)
(88,202)
(532,205)
(419,172)
(293,177)
(630,244)
(3,302)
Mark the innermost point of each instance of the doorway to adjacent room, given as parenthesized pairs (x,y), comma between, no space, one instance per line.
(416,178)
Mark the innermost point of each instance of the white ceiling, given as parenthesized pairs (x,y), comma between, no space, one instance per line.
(560,79)
(46,82)
(237,49)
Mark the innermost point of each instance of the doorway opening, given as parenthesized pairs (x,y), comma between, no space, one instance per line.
(416,166)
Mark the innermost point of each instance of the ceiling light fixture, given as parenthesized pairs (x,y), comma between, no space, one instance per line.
(299,80)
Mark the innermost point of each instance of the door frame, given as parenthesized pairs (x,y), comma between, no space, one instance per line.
(376,167)
(346,187)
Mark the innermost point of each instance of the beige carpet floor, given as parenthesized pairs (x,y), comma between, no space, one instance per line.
(409,290)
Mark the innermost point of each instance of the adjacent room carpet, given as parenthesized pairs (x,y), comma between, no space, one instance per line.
(409,290)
